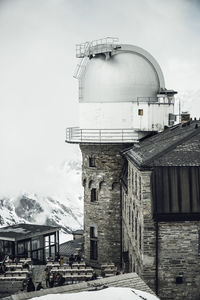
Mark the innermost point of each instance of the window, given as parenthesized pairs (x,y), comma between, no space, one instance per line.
(140,112)
(140,238)
(92,162)
(93,195)
(132,221)
(93,243)
(93,232)
(136,183)
(199,242)
(140,188)
(136,228)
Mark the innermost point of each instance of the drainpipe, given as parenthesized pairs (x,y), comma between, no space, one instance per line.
(121,225)
(157,259)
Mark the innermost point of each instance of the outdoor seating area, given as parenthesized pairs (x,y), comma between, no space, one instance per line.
(71,273)
(16,270)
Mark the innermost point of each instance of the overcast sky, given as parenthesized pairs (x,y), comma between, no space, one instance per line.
(38,94)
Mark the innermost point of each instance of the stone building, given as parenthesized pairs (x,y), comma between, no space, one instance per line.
(141,187)
(161,211)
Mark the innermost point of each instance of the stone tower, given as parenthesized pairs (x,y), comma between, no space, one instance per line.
(122,98)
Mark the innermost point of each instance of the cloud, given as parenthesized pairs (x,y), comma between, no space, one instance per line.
(39,96)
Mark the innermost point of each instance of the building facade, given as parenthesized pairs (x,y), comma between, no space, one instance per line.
(140,172)
(161,212)
(37,242)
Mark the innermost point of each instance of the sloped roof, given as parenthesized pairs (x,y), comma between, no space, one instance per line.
(178,146)
(23,231)
(78,231)
(131,280)
(70,247)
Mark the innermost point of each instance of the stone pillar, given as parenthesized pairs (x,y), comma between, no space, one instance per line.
(103,214)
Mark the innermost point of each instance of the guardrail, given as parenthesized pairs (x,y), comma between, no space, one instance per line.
(77,135)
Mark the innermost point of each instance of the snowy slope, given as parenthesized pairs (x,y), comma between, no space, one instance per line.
(114,293)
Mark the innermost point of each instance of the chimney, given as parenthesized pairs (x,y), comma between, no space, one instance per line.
(185,117)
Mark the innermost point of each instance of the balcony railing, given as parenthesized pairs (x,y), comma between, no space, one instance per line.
(77,135)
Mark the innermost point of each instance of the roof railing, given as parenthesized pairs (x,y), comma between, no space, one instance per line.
(78,135)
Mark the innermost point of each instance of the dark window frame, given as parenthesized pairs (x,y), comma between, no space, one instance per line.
(93,195)
(92,162)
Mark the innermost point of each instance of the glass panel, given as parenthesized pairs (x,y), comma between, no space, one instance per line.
(20,248)
(40,254)
(35,244)
(53,252)
(47,240)
(47,252)
(52,239)
(35,254)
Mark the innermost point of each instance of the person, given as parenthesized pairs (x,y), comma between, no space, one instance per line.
(39,287)
(52,280)
(71,260)
(78,258)
(47,277)
(61,261)
(30,285)
(60,280)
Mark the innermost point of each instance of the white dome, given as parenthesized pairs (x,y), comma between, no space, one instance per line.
(130,74)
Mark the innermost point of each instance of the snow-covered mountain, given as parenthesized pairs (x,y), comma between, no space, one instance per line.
(64,210)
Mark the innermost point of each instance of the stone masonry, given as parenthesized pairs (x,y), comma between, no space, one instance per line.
(105,213)
(138,226)
(178,254)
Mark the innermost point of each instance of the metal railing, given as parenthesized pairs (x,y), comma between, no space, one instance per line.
(96,46)
(77,135)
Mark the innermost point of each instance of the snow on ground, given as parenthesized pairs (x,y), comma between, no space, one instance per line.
(113,293)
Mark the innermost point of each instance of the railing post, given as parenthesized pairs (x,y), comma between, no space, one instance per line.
(81,135)
(100,135)
(122,135)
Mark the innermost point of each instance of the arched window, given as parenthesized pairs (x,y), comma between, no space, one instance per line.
(115,185)
(102,185)
(91,182)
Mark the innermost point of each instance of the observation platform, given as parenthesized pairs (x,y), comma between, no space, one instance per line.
(76,135)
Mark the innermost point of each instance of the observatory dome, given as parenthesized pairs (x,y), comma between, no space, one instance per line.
(129,74)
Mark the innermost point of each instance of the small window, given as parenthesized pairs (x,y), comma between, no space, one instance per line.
(140,112)
(93,243)
(199,242)
(93,195)
(93,250)
(93,232)
(92,162)
(136,228)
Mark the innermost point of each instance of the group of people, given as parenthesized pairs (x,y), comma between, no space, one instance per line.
(55,280)
(29,286)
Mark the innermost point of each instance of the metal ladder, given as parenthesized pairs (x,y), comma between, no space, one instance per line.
(85,50)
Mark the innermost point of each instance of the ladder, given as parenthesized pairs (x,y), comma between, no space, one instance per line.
(88,49)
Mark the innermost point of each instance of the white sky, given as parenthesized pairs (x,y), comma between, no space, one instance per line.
(38,95)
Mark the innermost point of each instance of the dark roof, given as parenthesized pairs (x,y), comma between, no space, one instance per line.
(70,247)
(176,146)
(78,231)
(23,231)
(130,280)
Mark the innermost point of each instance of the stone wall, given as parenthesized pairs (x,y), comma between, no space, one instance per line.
(105,213)
(178,243)
(179,260)
(138,227)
